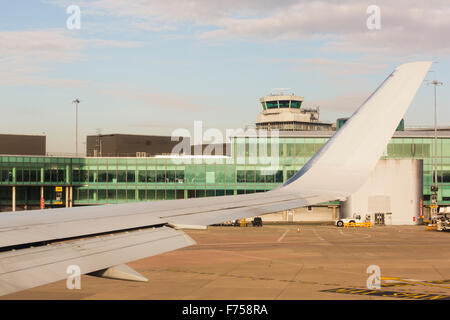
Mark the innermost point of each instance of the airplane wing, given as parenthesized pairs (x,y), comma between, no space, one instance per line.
(37,247)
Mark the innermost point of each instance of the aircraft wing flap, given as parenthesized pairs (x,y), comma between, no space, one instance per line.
(31,267)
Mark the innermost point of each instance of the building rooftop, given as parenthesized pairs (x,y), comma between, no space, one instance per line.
(422,133)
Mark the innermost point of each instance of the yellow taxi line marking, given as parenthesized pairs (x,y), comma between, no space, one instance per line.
(414,281)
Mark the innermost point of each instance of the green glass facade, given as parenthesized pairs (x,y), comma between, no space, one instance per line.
(119,180)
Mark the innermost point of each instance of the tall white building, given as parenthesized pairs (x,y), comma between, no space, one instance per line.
(284,112)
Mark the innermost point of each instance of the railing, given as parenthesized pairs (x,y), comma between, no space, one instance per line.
(65,154)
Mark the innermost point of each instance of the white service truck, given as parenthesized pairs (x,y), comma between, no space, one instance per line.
(356,218)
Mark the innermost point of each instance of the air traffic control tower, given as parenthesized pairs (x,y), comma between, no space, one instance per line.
(283,111)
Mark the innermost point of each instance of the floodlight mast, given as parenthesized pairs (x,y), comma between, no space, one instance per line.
(76,101)
(434,187)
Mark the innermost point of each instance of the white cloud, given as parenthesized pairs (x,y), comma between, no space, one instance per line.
(346,103)
(10,79)
(202,12)
(161,100)
(41,45)
(407,26)
(26,55)
(332,66)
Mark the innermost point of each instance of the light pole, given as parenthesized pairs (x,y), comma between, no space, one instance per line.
(434,187)
(76,101)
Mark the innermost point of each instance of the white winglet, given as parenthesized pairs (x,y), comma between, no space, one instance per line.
(342,165)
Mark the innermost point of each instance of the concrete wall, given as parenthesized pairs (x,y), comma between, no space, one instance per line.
(395,186)
(318,214)
(124,145)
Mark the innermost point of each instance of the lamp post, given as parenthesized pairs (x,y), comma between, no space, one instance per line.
(434,187)
(76,101)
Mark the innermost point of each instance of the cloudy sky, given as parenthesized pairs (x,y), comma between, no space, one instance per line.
(149,67)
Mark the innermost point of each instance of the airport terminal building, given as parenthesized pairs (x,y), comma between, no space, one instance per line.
(398,189)
(67,181)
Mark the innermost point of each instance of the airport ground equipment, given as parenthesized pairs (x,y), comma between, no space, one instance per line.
(355,219)
(257,222)
(442,219)
(431,226)
(41,246)
(240,223)
(358,225)
(380,218)
(443,222)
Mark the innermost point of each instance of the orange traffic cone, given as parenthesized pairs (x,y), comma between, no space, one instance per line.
(298,229)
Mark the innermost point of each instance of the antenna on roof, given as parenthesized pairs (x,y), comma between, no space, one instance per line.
(281,90)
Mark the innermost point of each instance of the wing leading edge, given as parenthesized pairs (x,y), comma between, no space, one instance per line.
(337,170)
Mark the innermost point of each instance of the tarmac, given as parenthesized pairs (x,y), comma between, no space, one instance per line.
(282,262)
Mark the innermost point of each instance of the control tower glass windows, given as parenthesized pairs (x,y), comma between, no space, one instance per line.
(272,104)
(284,103)
(296,104)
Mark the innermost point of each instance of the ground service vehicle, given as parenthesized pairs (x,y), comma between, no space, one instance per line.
(257,222)
(355,219)
(443,222)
